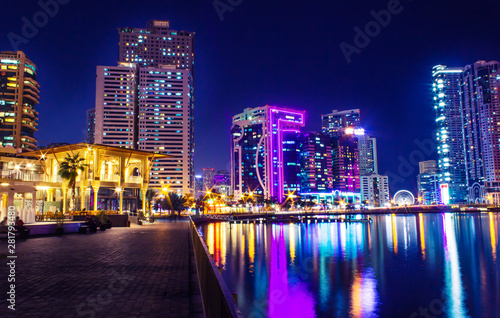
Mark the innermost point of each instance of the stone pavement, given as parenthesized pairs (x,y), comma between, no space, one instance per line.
(142,271)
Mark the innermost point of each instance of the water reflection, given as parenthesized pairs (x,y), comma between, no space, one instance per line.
(364,298)
(388,268)
(453,292)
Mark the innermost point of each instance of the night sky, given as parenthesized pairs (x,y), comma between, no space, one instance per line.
(283,53)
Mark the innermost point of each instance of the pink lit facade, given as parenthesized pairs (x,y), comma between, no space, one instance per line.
(259,163)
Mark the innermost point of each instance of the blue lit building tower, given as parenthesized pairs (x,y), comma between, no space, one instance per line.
(450,143)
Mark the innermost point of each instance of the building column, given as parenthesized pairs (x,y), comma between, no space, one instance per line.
(121,201)
(65,200)
(10,198)
(143,191)
(23,208)
(83,191)
(51,193)
(3,213)
(32,212)
(96,191)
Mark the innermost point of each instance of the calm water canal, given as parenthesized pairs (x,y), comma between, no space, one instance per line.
(423,265)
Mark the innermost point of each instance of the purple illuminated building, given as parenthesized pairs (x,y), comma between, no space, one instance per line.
(264,155)
(222,177)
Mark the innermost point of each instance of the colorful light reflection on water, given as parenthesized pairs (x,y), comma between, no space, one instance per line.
(444,265)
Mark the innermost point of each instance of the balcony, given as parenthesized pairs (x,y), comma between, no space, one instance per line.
(108,178)
(23,176)
(134,179)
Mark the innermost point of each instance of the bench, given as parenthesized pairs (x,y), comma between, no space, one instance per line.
(83,229)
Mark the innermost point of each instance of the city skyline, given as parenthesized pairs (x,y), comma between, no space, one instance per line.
(220,48)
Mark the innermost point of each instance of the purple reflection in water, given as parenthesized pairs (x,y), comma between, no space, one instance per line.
(285,300)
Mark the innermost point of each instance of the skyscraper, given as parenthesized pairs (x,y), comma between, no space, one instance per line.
(368,162)
(90,126)
(19,91)
(166,119)
(116,105)
(147,101)
(261,158)
(480,105)
(429,184)
(375,190)
(344,129)
(450,143)
(335,123)
(198,187)
(157,45)
(222,177)
(429,188)
(345,163)
(428,166)
(208,178)
(222,182)
(315,163)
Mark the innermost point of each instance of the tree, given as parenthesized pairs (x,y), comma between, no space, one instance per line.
(150,194)
(69,170)
(189,200)
(175,202)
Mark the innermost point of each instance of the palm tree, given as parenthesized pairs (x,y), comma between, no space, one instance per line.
(189,200)
(150,194)
(69,171)
(175,202)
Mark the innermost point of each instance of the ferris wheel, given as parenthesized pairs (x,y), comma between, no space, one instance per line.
(404,197)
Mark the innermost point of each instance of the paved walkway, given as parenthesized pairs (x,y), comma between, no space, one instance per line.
(142,271)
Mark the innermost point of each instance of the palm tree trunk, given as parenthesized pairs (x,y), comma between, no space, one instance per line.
(73,195)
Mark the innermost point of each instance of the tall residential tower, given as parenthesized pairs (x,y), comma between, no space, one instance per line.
(116,106)
(481,130)
(19,91)
(450,142)
(147,101)
(157,45)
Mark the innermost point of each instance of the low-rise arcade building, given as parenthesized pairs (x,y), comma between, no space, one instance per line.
(113,178)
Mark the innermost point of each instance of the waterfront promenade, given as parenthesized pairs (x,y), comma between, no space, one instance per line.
(142,271)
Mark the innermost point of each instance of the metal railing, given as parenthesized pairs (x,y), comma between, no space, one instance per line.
(218,301)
